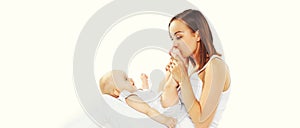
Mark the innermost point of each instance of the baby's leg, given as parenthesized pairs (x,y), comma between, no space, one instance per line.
(169,95)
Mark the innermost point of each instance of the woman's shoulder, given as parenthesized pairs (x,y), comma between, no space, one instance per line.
(216,66)
(216,62)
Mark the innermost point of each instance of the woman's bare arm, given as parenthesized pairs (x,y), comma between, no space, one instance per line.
(213,86)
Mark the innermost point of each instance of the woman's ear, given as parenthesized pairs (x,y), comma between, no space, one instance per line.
(197,35)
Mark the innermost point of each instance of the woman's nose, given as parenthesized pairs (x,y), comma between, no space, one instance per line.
(171,52)
(175,44)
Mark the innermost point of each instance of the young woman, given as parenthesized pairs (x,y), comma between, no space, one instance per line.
(198,70)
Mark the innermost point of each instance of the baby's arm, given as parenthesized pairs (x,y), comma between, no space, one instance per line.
(138,104)
(144,79)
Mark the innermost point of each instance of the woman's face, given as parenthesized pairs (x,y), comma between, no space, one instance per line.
(184,39)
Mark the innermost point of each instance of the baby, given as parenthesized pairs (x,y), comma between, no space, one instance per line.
(117,84)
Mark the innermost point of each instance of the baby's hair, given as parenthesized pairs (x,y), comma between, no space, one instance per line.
(107,85)
(105,82)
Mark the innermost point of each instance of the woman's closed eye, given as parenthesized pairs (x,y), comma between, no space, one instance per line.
(178,37)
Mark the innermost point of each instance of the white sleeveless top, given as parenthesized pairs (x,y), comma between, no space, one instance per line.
(197,84)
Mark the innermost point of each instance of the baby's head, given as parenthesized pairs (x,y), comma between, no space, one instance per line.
(113,82)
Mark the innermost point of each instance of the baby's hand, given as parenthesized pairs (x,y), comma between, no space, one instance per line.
(170,122)
(144,76)
(144,79)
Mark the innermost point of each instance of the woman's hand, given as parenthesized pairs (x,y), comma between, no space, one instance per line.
(178,69)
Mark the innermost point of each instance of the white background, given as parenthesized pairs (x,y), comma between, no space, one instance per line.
(38,38)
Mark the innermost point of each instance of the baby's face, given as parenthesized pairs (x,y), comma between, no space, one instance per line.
(121,80)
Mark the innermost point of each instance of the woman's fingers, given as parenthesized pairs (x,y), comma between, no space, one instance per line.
(172,64)
(168,68)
